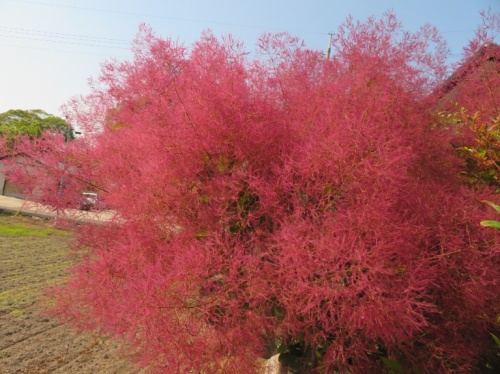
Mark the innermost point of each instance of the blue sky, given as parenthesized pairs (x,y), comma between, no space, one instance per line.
(49,48)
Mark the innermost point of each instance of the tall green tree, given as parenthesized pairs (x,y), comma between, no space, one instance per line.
(32,123)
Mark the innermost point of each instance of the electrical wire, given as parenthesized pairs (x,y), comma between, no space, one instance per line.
(79,52)
(166,17)
(58,35)
(104,42)
(62,42)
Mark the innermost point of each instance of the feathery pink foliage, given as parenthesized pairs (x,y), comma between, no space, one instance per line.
(278,201)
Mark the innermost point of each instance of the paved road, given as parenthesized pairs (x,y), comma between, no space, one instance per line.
(27,207)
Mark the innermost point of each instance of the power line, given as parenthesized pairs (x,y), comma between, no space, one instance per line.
(165,17)
(104,42)
(61,42)
(79,52)
(58,35)
(113,11)
(62,38)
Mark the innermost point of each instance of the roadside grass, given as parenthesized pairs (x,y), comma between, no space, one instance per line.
(21,229)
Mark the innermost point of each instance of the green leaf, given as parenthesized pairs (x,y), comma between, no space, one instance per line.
(496,339)
(393,366)
(493,205)
(489,223)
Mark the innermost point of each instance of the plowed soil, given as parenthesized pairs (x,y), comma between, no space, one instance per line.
(34,255)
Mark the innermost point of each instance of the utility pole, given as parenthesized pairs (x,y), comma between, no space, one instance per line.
(68,136)
(329,49)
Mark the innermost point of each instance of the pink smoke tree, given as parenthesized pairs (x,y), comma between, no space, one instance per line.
(273,203)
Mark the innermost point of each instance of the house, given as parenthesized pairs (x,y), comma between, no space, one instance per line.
(8,188)
(479,73)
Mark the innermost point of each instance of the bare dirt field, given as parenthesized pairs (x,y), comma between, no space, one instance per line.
(34,255)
